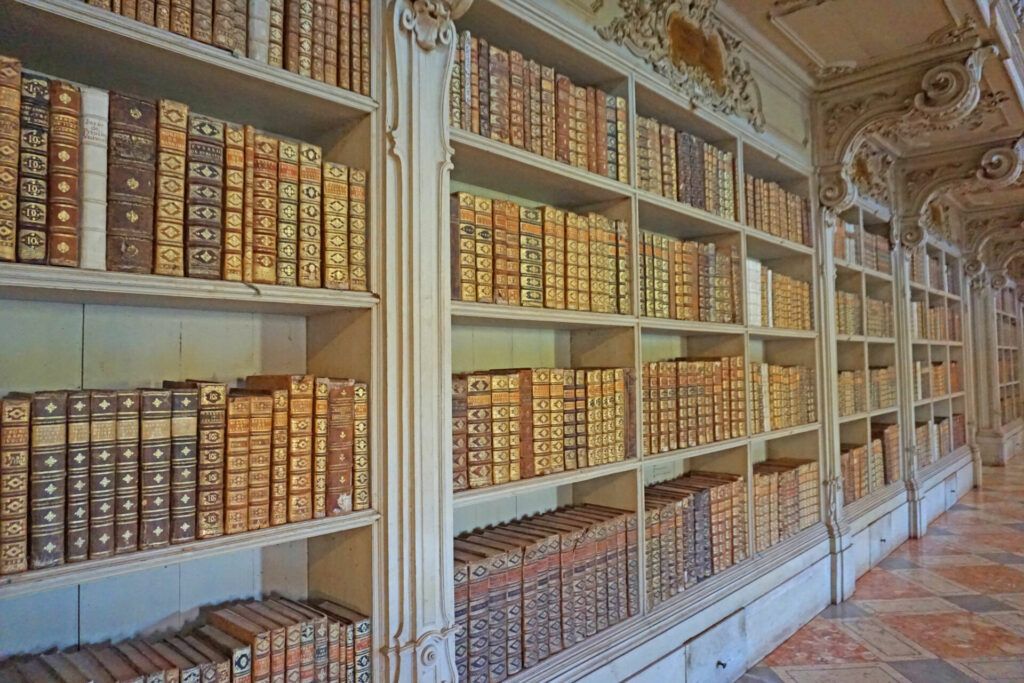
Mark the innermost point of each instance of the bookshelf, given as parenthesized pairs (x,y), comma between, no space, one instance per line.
(999,372)
(74,328)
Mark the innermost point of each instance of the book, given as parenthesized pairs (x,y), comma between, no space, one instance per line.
(310,216)
(236,463)
(126,472)
(321,411)
(340,447)
(63,211)
(131,178)
(172,146)
(184,460)
(358,234)
(10,147)
(155,455)
(287,212)
(248,202)
(335,226)
(233,213)
(77,483)
(204,213)
(33,169)
(265,210)
(14,483)
(279,480)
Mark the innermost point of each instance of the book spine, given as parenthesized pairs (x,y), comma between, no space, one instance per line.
(204,216)
(233,210)
(33,169)
(223,31)
(517,100)
(248,203)
(361,448)
(155,467)
(102,472)
(321,408)
(345,44)
(47,479)
(63,210)
(265,191)
(236,464)
(300,448)
(130,184)
(202,21)
(531,257)
(340,447)
(212,441)
(257,39)
(170,188)
(331,18)
(624,294)
(498,94)
(93,238)
(279,459)
(356,45)
(310,215)
(483,233)
(184,449)
(318,42)
(261,419)
(357,223)
(554,258)
(14,484)
(10,142)
(126,471)
(364,38)
(287,213)
(460,434)
(181,17)
(77,515)
(276,46)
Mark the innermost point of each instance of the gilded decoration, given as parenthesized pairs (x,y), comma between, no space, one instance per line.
(684,42)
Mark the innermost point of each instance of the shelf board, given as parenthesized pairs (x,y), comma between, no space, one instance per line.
(696,451)
(71,39)
(758,332)
(877,275)
(503,491)
(880,340)
(762,245)
(657,212)
(79,286)
(853,418)
(496,165)
(689,326)
(94,570)
(469,313)
(783,433)
(851,338)
(878,412)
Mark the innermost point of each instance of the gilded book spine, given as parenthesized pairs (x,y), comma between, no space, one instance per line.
(204,216)
(345,44)
(33,169)
(287,213)
(310,272)
(126,470)
(265,191)
(340,447)
(275,51)
(335,226)
(172,144)
(184,450)
(236,464)
(249,203)
(14,484)
(131,177)
(261,421)
(234,202)
(155,471)
(77,532)
(321,395)
(279,459)
(357,240)
(102,472)
(202,21)
(63,213)
(10,143)
(361,448)
(331,18)
(47,479)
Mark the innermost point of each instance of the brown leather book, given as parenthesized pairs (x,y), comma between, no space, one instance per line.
(331,18)
(234,202)
(261,420)
(356,45)
(345,44)
(102,472)
(287,213)
(364,38)
(460,435)
(361,449)
(279,459)
(47,478)
(335,226)
(184,451)
(357,230)
(63,211)
(172,144)
(236,464)
(181,17)
(202,21)
(204,213)
(318,40)
(128,8)
(223,34)
(130,184)
(14,484)
(162,14)
(10,141)
(340,446)
(249,203)
(310,272)
(264,258)
(146,11)
(305,37)
(126,473)
(33,168)
(155,468)
(275,53)
(77,515)
(321,393)
(291,35)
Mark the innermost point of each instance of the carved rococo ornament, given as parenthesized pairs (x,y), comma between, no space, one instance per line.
(985,235)
(430,21)
(683,41)
(948,93)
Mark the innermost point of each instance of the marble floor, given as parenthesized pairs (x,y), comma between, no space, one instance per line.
(945,608)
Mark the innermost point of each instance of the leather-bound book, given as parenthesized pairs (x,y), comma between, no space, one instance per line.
(318,46)
(131,176)
(310,272)
(204,213)
(279,459)
(275,50)
(357,227)
(340,446)
(460,435)
(291,35)
(10,144)
(162,14)
(364,38)
(362,627)
(331,18)
(335,226)
(181,17)
(47,478)
(261,419)
(234,202)
(94,123)
(33,168)
(63,213)
(249,203)
(344,28)
(77,528)
(212,440)
(278,640)
(202,21)
(264,258)
(126,473)
(531,257)
(287,213)
(184,452)
(361,448)
(300,438)
(479,458)
(14,484)
(155,468)
(498,94)
(238,653)
(305,37)
(127,8)
(146,11)
(236,463)
(172,144)
(102,472)
(223,34)
(321,392)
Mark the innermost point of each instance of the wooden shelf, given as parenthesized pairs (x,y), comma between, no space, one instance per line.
(851,338)
(71,39)
(764,246)
(503,491)
(689,326)
(878,412)
(656,212)
(880,340)
(844,419)
(93,570)
(783,433)
(79,286)
(758,332)
(696,451)
(469,313)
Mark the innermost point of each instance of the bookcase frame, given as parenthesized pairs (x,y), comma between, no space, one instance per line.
(996,300)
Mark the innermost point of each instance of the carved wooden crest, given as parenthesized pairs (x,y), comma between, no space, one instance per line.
(684,42)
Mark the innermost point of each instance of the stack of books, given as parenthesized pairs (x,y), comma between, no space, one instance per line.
(781,396)
(786,499)
(777,300)
(852,398)
(849,315)
(689,280)
(883,387)
(773,210)
(880,319)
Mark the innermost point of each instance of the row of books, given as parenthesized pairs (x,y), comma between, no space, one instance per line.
(852,396)
(787,495)
(110,181)
(773,210)
(679,166)
(936,379)
(509,425)
(860,247)
(868,468)
(248,641)
(688,403)
(777,300)
(687,280)
(1010,403)
(933,440)
(1007,331)
(781,396)
(1008,366)
(929,270)
(882,382)
(695,526)
(857,396)
(849,314)
(328,40)
(503,96)
(529,589)
(937,323)
(881,322)
(92,474)
(506,253)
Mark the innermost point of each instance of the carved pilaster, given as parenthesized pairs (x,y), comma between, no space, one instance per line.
(416,161)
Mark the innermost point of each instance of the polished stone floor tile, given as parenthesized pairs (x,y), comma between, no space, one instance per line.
(897,563)
(844,610)
(957,635)
(821,641)
(992,578)
(1004,558)
(882,584)
(930,671)
(978,603)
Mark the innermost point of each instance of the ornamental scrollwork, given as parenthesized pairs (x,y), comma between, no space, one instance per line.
(430,21)
(684,42)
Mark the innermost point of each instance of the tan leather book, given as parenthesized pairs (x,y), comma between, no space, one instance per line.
(287,212)
(172,143)
(14,484)
(63,211)
(33,169)
(236,463)
(234,203)
(310,259)
(10,126)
